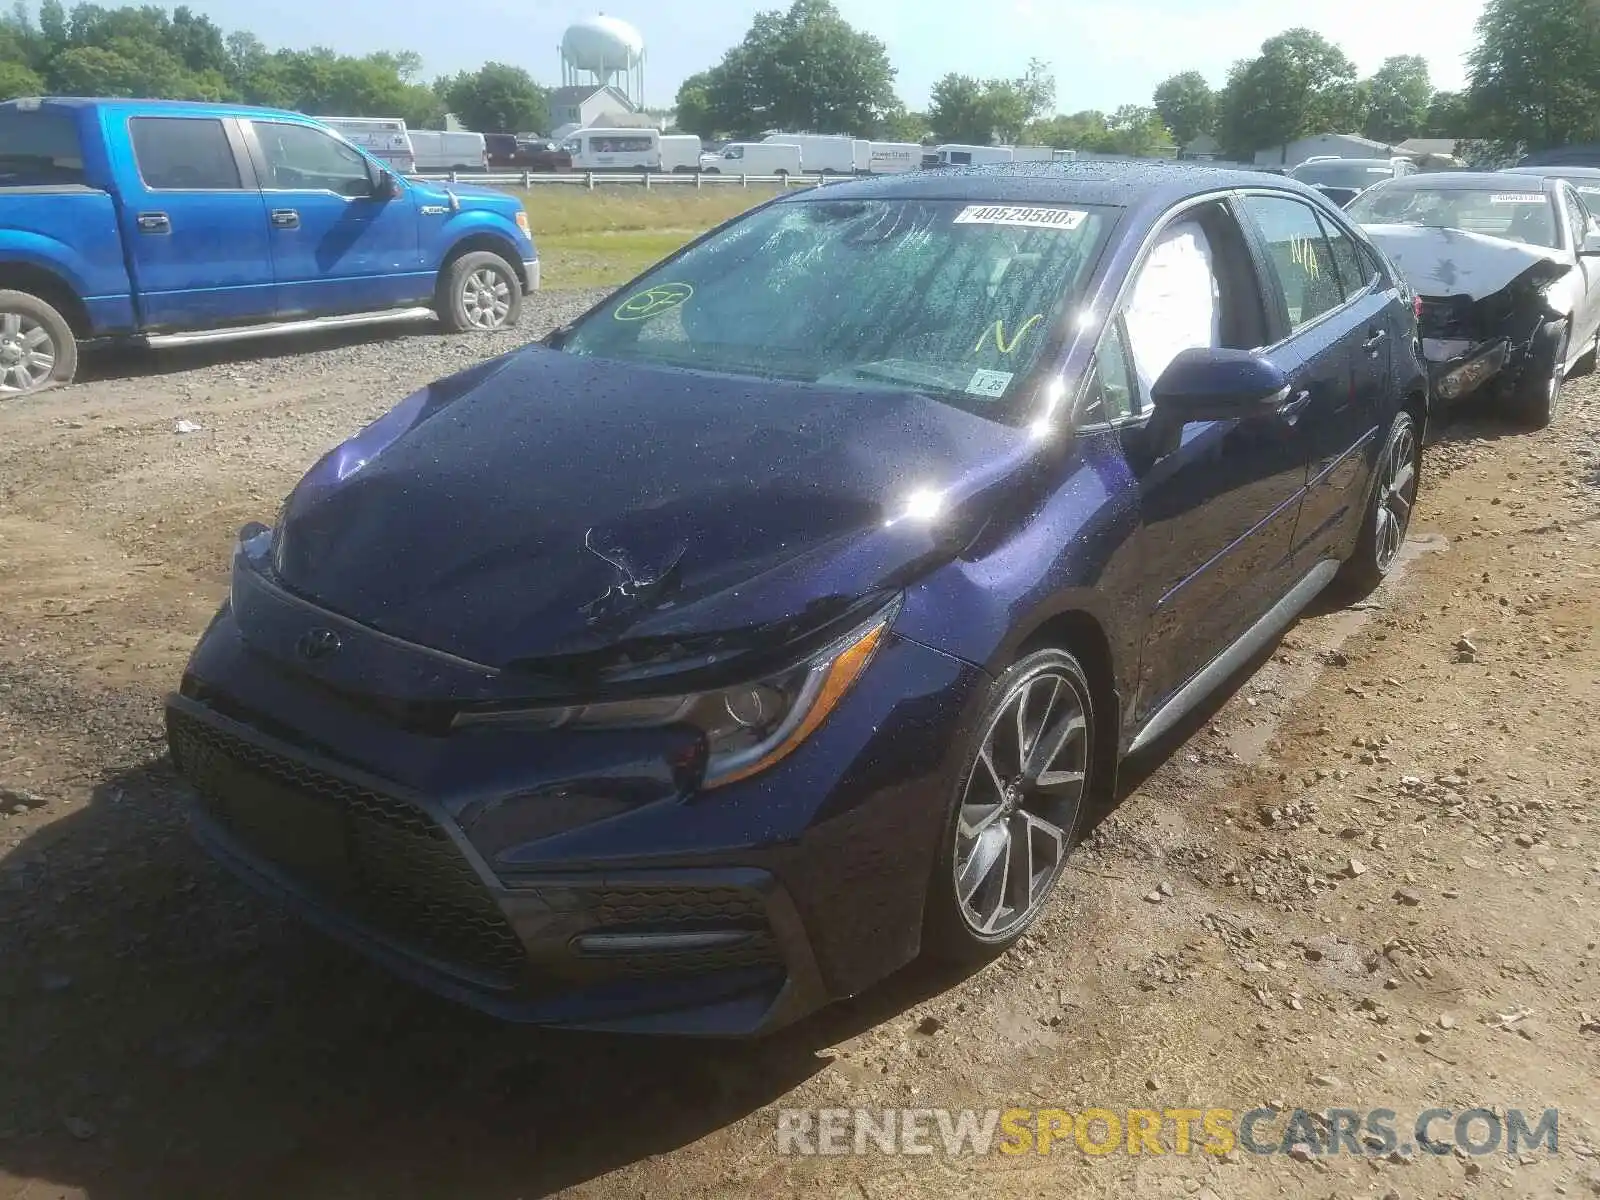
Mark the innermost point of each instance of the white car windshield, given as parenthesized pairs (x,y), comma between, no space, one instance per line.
(1345,173)
(1515,212)
(945,297)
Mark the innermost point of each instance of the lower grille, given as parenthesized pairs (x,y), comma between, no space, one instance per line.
(383,860)
(656,909)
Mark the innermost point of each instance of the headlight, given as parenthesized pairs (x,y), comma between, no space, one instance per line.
(748,727)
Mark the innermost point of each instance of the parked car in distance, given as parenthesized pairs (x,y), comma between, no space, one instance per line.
(680,153)
(754,158)
(384,138)
(171,223)
(1507,269)
(1584,180)
(1343,179)
(942,493)
(954,155)
(438,150)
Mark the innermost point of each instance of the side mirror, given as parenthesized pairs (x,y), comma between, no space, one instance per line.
(1591,244)
(1218,385)
(384,186)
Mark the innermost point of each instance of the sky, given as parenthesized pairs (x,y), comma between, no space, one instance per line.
(1105,53)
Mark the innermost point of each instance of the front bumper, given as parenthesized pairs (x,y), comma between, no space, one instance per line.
(1458,369)
(730,913)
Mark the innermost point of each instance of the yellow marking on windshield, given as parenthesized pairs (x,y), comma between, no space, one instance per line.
(998,329)
(652,301)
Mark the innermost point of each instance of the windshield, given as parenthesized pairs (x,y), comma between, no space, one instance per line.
(946,298)
(1515,215)
(1343,174)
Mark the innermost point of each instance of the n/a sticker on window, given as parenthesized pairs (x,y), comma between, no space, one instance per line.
(1030,218)
(990,384)
(1517,198)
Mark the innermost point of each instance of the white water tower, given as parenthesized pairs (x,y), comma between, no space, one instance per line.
(604,51)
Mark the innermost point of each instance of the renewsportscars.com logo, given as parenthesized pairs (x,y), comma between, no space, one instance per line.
(1298,1132)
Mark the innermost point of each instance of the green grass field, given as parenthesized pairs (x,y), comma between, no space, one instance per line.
(607,236)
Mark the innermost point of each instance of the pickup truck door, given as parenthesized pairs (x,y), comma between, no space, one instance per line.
(193,223)
(338,245)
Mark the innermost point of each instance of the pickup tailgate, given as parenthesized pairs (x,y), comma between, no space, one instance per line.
(71,231)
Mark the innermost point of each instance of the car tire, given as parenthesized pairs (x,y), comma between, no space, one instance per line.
(1387,516)
(479,293)
(31,328)
(976,905)
(1535,400)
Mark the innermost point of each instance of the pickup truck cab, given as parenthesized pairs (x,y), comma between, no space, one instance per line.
(173,222)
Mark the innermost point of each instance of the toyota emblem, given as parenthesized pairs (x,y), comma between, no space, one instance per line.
(316,644)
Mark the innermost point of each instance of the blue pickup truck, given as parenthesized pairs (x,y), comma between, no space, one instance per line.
(173,222)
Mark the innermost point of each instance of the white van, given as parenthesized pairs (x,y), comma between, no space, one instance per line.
(680,153)
(954,154)
(822,154)
(891,158)
(449,150)
(614,149)
(1032,154)
(384,138)
(754,158)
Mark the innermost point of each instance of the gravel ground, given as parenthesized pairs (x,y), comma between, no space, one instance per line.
(1367,878)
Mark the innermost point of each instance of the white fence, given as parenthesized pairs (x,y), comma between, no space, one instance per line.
(645,179)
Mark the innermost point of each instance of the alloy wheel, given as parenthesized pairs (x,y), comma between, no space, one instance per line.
(1021,804)
(486,298)
(1397,496)
(27,353)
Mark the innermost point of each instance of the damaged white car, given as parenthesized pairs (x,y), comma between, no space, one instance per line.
(1507,269)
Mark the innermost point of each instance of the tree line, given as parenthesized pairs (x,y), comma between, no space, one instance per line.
(1533,82)
(148,52)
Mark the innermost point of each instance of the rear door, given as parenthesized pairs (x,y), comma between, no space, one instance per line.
(1334,344)
(193,223)
(337,247)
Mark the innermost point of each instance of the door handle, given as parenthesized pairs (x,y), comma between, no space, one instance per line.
(1376,340)
(1291,409)
(285,218)
(154,222)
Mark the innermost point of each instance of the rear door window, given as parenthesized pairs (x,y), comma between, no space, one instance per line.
(184,154)
(1299,255)
(39,149)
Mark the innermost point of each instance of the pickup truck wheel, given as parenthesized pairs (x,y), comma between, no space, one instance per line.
(37,349)
(479,293)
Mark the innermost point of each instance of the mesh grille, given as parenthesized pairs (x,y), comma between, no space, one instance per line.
(672,910)
(386,861)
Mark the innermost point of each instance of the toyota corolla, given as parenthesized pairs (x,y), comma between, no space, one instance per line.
(787,615)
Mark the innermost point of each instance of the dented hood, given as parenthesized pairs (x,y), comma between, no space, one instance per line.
(1453,262)
(545,504)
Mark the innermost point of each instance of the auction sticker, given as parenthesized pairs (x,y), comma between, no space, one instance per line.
(1029,218)
(1517,198)
(988,383)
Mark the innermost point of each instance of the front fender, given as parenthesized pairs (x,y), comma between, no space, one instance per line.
(471,225)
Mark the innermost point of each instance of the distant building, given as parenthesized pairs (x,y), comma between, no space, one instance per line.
(1431,152)
(1204,148)
(588,107)
(1341,145)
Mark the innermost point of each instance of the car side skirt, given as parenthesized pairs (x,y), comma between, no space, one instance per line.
(1278,618)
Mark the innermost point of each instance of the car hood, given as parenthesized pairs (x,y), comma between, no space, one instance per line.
(1453,262)
(546,505)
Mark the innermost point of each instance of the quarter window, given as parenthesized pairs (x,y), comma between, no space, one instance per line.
(1353,273)
(300,158)
(184,154)
(1299,255)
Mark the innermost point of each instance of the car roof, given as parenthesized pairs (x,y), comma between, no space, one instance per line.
(192,107)
(1118,184)
(1461,181)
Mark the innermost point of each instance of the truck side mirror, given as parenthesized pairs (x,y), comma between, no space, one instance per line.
(384,186)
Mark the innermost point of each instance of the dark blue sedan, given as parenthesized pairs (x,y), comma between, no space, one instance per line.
(784,617)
